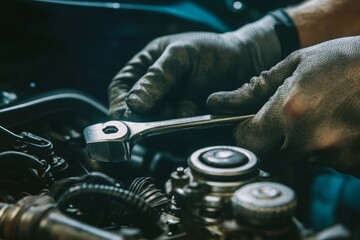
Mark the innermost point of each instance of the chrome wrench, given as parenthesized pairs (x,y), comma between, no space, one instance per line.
(112,141)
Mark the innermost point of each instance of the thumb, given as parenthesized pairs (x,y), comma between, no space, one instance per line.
(251,96)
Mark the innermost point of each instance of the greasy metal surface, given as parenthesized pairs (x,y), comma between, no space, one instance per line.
(112,141)
(264,203)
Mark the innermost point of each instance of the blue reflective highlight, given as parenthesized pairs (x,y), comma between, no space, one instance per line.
(184,10)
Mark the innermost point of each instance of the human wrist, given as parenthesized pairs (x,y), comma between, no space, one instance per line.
(267,40)
(323,20)
(286,32)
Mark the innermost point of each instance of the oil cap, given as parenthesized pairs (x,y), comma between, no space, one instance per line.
(225,163)
(223,158)
(264,204)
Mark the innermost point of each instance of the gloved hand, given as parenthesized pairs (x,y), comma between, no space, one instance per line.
(310,105)
(190,66)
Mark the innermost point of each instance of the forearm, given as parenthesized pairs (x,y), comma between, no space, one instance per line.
(321,20)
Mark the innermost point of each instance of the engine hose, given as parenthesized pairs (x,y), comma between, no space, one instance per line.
(145,188)
(19,159)
(52,102)
(8,135)
(149,216)
(62,185)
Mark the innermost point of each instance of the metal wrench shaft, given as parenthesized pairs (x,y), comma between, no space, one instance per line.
(112,141)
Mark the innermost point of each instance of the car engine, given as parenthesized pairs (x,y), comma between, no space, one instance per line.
(52,189)
(192,184)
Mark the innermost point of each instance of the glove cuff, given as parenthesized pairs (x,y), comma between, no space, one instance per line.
(286,32)
(269,39)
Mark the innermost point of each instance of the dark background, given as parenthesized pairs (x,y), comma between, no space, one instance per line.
(82,44)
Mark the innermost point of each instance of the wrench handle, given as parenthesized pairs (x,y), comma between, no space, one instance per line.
(168,126)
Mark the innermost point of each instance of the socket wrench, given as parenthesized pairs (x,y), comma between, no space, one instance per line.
(112,141)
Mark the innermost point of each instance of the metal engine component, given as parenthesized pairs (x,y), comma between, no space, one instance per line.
(33,145)
(220,197)
(223,168)
(263,210)
(112,141)
(264,204)
(49,189)
(204,190)
(36,217)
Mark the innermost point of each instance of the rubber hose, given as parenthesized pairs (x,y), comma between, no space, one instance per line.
(94,177)
(19,159)
(145,188)
(123,196)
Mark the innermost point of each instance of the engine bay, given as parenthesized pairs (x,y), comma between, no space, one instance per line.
(191,184)
(52,189)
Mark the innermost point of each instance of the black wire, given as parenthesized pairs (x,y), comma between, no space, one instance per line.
(19,159)
(9,134)
(147,216)
(94,177)
(145,188)
(124,196)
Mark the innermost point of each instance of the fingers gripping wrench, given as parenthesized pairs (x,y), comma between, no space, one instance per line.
(112,141)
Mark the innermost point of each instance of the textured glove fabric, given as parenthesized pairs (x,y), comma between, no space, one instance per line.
(173,75)
(309,105)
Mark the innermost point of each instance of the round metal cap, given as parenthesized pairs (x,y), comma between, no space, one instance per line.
(264,203)
(223,158)
(222,162)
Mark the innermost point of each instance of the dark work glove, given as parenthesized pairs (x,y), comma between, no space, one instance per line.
(310,105)
(183,69)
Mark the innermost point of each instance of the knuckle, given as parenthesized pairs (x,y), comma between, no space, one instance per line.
(179,47)
(180,52)
(159,40)
(295,106)
(296,56)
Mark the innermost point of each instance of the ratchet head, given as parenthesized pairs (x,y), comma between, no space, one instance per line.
(108,142)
